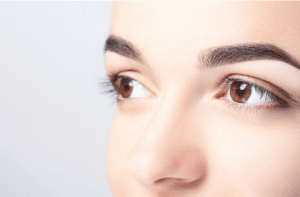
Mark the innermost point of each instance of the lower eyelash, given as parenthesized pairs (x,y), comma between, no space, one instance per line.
(252,109)
(241,109)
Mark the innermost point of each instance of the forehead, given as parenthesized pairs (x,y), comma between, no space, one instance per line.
(207,24)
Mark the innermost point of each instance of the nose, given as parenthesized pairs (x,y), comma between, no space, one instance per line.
(168,154)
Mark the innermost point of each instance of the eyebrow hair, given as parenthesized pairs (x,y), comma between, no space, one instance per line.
(212,57)
(240,53)
(122,47)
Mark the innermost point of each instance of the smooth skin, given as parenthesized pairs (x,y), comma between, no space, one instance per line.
(183,139)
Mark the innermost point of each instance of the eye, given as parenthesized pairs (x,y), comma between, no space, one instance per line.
(246,93)
(129,88)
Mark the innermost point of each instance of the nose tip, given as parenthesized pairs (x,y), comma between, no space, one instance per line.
(169,154)
(163,171)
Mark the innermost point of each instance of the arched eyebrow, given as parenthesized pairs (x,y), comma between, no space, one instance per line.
(123,47)
(212,57)
(226,55)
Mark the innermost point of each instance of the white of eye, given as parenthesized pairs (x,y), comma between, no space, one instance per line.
(258,98)
(255,97)
(138,90)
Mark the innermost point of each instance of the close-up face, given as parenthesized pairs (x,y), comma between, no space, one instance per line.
(207,99)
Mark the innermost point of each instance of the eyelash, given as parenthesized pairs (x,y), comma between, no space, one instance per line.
(280,103)
(109,86)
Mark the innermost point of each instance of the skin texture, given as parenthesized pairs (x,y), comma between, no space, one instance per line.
(185,139)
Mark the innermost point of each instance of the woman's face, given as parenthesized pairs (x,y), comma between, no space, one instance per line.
(208,99)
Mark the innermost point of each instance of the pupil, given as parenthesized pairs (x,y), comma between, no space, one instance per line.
(240,92)
(126,87)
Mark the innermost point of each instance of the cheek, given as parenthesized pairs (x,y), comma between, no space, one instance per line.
(280,166)
(277,165)
(259,161)
(264,162)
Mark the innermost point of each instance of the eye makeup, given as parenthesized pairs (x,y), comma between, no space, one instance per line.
(235,90)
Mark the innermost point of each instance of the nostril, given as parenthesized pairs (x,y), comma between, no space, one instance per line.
(176,183)
(170,180)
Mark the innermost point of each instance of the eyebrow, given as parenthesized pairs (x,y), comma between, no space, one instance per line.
(212,57)
(123,47)
(240,53)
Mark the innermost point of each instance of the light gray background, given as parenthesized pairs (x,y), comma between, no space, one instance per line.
(54,123)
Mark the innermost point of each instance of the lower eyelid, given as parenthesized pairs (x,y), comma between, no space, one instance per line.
(244,109)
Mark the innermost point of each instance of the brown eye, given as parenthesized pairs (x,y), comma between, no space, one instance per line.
(240,91)
(128,88)
(123,86)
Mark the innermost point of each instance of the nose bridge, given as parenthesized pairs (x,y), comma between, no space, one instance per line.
(167,150)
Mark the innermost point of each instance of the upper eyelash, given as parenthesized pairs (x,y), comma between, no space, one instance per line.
(282,103)
(285,95)
(108,86)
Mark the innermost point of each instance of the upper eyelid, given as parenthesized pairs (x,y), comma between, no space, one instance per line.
(259,86)
(271,88)
(261,89)
(126,77)
(118,76)
(253,84)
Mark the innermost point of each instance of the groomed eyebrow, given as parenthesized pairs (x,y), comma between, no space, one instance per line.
(122,47)
(225,55)
(212,57)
